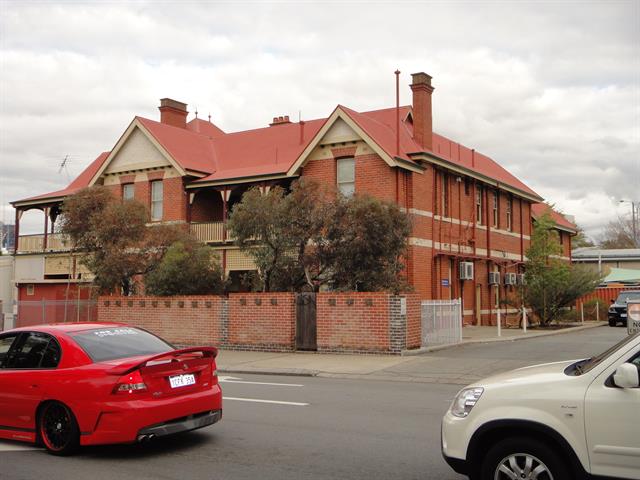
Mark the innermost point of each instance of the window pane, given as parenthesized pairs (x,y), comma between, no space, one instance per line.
(156,191)
(347,189)
(119,342)
(31,353)
(156,200)
(346,170)
(127,191)
(5,345)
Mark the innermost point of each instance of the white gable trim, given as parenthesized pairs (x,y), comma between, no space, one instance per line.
(123,139)
(339,113)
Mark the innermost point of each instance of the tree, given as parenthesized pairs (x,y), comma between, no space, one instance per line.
(551,283)
(367,240)
(313,237)
(283,234)
(580,239)
(113,239)
(187,268)
(618,234)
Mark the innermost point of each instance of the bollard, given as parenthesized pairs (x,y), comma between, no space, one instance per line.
(524,319)
(499,324)
(582,311)
(597,311)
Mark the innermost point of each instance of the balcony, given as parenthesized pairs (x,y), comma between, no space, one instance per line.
(56,242)
(208,231)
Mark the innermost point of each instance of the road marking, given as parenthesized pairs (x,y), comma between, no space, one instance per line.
(224,380)
(257,400)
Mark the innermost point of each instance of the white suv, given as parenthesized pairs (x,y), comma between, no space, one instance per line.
(558,421)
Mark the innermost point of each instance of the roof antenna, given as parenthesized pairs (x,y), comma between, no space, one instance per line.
(397,73)
(63,165)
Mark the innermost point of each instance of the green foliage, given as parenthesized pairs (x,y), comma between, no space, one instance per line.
(313,237)
(112,237)
(187,268)
(551,283)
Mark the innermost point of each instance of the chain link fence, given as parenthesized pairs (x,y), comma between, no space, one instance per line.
(441,322)
(37,312)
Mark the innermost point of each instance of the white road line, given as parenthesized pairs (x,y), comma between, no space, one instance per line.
(257,400)
(261,383)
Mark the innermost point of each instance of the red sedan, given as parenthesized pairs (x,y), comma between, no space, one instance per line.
(68,385)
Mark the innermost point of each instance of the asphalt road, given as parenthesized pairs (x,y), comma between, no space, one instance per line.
(322,428)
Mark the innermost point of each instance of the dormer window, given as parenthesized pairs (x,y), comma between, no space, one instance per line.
(346,176)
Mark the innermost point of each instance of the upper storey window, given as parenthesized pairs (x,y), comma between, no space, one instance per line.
(127,191)
(509,210)
(346,174)
(479,204)
(156,200)
(445,195)
(495,209)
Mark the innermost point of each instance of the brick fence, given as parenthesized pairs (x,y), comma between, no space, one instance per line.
(354,322)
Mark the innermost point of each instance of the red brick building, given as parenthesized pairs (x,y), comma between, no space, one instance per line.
(472,219)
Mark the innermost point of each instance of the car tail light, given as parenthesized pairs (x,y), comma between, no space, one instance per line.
(130,383)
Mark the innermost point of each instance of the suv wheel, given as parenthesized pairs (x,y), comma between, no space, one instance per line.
(523,459)
(612,322)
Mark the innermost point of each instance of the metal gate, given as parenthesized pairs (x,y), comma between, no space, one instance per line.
(441,322)
(306,336)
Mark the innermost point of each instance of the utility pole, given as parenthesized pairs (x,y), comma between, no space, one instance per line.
(635,212)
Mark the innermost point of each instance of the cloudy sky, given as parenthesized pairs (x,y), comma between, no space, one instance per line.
(549,89)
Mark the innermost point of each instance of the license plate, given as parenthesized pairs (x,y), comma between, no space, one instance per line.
(623,315)
(182,380)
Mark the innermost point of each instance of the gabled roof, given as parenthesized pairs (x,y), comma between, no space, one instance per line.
(80,182)
(205,151)
(539,209)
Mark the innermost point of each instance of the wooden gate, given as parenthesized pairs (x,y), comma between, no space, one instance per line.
(306,321)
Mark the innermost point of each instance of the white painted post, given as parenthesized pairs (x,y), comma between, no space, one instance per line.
(582,311)
(524,319)
(461,315)
(597,311)
(499,323)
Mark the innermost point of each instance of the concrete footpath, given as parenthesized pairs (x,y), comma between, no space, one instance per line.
(444,364)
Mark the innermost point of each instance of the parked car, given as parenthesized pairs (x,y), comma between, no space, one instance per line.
(618,309)
(68,385)
(558,421)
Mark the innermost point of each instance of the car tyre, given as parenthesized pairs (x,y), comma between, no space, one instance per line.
(58,429)
(523,458)
(612,322)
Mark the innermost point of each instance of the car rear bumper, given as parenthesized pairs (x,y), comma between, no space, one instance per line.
(185,424)
(122,421)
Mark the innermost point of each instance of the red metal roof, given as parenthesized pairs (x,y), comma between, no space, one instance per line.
(538,209)
(205,148)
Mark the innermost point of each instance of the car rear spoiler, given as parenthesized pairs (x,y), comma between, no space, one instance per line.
(136,364)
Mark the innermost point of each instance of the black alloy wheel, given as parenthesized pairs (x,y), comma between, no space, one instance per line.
(58,429)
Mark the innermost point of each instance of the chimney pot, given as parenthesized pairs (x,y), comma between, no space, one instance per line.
(173,112)
(422,110)
(281,120)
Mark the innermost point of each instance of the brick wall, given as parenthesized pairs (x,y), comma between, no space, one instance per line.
(353,322)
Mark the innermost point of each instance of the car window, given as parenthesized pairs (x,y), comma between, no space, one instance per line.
(119,342)
(585,366)
(35,350)
(5,344)
(626,296)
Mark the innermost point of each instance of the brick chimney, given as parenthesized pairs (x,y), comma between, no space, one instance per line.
(173,112)
(280,121)
(422,118)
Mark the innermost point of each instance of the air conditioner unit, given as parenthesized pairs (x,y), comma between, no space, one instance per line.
(494,278)
(521,279)
(466,270)
(510,279)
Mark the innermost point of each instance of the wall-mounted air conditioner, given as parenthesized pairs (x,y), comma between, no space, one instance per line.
(466,270)
(510,279)
(494,278)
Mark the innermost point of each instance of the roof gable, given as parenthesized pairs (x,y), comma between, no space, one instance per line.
(136,153)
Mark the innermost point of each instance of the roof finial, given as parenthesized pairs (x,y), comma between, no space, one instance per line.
(196,112)
(209,118)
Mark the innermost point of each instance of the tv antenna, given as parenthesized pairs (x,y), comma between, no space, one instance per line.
(63,166)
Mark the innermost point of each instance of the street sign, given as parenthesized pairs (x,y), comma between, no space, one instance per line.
(633,316)
(445,282)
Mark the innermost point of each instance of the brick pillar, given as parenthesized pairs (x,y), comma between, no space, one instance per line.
(397,323)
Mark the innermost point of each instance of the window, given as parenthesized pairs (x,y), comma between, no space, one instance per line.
(479,204)
(38,350)
(561,238)
(5,344)
(346,176)
(127,191)
(112,343)
(445,195)
(509,210)
(467,186)
(156,200)
(495,209)
(30,289)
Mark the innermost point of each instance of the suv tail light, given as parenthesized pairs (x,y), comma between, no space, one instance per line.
(130,383)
